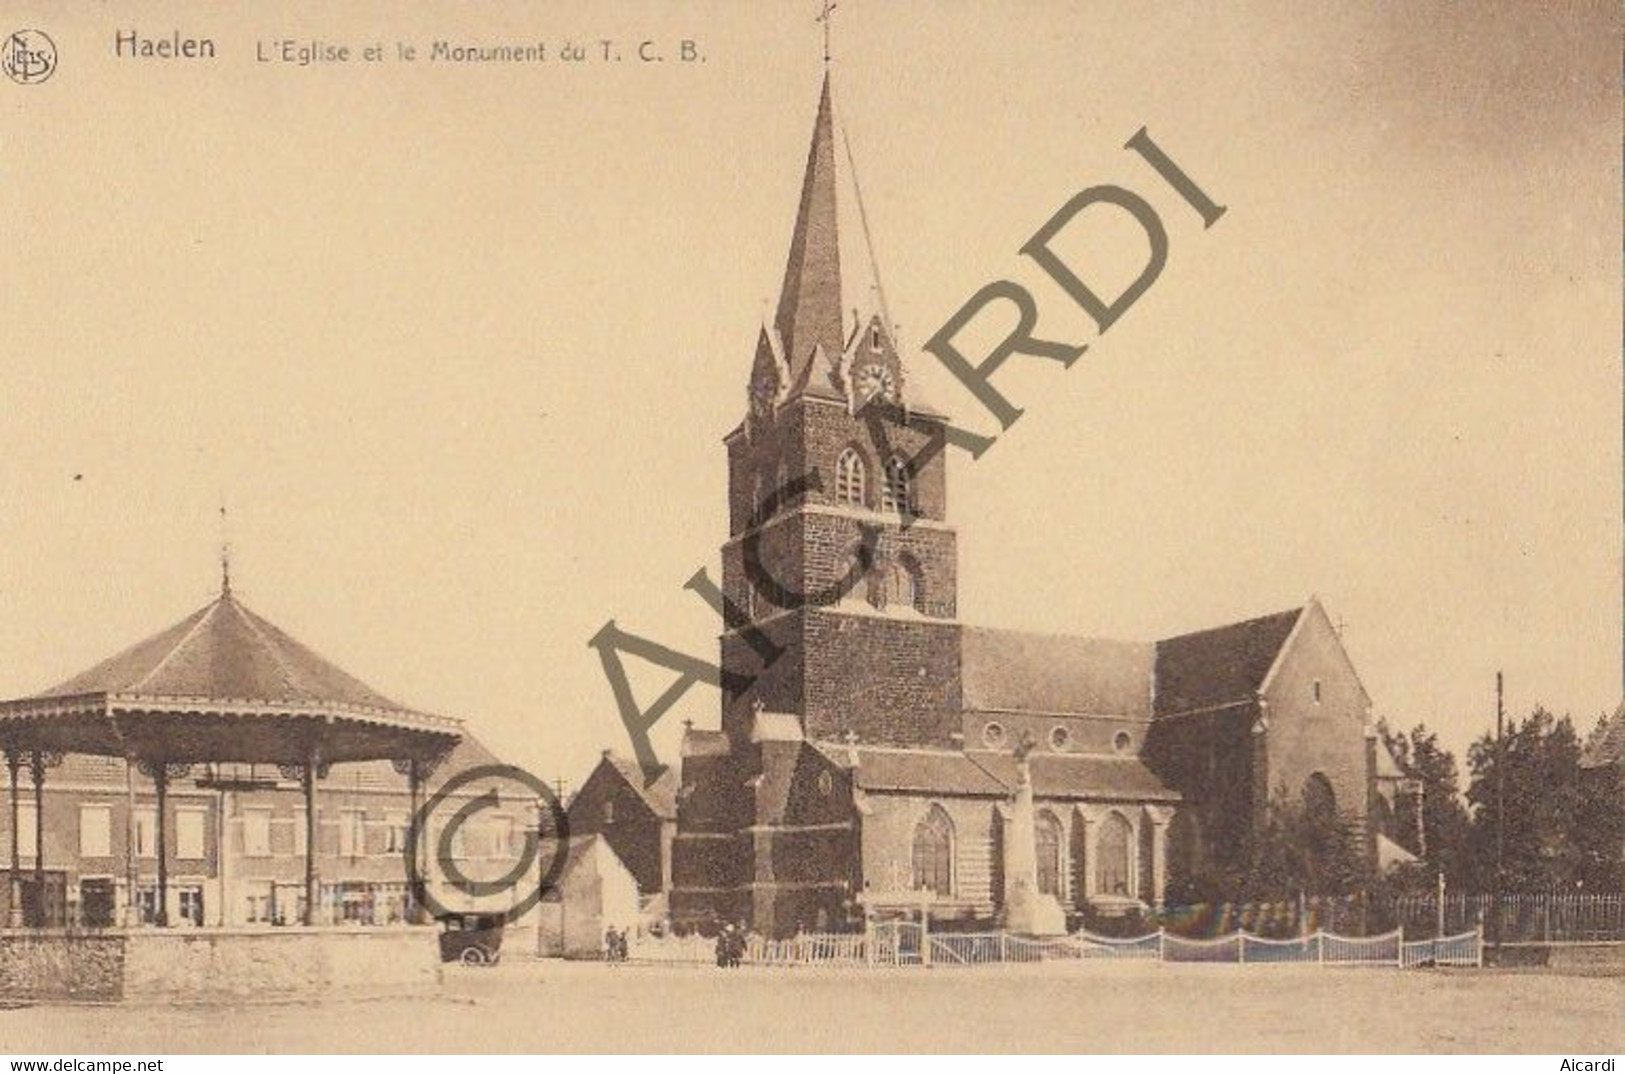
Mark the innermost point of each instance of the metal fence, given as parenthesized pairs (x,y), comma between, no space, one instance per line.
(1521,918)
(901,943)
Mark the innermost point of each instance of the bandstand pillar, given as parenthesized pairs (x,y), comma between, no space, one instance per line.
(414,876)
(313,883)
(14,884)
(37,764)
(132,878)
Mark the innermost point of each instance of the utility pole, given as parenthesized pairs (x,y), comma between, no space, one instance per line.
(1500,802)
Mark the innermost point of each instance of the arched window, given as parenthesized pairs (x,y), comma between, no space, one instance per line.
(934,853)
(1050,841)
(1112,873)
(1319,800)
(849,478)
(894,492)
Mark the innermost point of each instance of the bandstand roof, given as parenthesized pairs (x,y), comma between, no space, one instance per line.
(223,684)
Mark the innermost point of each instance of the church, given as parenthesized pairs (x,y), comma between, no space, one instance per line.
(886,753)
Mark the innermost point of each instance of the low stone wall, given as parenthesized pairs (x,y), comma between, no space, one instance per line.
(210,966)
(54,965)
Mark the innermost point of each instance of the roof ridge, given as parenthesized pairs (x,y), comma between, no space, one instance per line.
(289,674)
(203,616)
(1296,610)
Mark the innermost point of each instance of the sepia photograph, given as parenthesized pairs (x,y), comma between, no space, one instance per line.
(812,527)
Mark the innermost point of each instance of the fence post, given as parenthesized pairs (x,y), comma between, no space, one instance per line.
(1004,946)
(1162,953)
(1479,930)
(1320,946)
(925,937)
(1399,958)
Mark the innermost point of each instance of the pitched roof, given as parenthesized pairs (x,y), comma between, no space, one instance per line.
(224,652)
(918,770)
(1008,670)
(660,796)
(1219,666)
(1606,746)
(985,773)
(1082,776)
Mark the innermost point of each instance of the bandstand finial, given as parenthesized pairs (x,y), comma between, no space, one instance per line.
(225,553)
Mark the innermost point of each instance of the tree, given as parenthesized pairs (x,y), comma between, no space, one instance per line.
(1557,829)
(1300,847)
(1439,835)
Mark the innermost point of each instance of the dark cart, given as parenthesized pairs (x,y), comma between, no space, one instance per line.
(472,939)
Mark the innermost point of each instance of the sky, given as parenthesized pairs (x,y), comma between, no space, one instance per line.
(457,345)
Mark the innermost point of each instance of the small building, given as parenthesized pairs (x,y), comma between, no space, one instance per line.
(595,892)
(636,817)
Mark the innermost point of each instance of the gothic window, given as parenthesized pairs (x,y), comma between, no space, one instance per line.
(1050,841)
(849,478)
(1112,865)
(895,492)
(934,853)
(1319,800)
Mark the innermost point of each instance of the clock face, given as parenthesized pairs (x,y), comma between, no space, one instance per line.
(875,379)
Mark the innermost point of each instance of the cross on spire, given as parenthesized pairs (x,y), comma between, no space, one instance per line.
(826,17)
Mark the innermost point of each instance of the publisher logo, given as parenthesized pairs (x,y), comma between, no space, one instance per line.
(28,56)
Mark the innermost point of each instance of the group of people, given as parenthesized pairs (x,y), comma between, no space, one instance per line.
(615,947)
(730,945)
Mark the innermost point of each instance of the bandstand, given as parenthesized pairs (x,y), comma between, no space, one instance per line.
(221,688)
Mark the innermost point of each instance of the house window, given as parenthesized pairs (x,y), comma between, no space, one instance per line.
(191,898)
(502,842)
(257,833)
(1112,873)
(95,831)
(1059,738)
(849,478)
(352,833)
(894,492)
(934,853)
(609,812)
(992,735)
(1049,843)
(395,834)
(257,902)
(189,837)
(146,833)
(1122,742)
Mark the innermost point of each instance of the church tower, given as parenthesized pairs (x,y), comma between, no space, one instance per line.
(839,573)
(839,550)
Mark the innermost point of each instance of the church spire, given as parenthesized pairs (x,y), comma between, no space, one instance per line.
(809,313)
